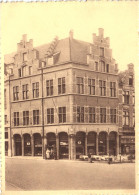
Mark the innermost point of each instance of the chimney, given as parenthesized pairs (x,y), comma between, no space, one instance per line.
(101,32)
(24,38)
(71,34)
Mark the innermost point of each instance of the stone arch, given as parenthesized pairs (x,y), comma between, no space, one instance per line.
(102,142)
(63,145)
(17,144)
(112,142)
(80,143)
(37,144)
(91,142)
(27,144)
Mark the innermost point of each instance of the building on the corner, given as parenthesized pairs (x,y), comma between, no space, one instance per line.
(127,110)
(64,94)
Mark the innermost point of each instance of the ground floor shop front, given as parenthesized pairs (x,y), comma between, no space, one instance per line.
(66,146)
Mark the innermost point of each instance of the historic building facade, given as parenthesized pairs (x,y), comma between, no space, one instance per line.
(65,95)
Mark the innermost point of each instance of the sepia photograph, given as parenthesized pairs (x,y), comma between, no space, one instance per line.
(69,72)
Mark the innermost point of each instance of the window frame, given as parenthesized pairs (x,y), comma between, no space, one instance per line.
(62,114)
(80,114)
(103,115)
(25,118)
(80,85)
(35,89)
(50,115)
(16,119)
(36,117)
(92,115)
(91,86)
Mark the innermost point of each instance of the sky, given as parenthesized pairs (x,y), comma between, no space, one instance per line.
(43,21)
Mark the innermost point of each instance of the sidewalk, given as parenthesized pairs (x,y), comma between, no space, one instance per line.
(11,187)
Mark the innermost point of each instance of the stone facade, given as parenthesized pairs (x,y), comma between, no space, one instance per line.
(64,96)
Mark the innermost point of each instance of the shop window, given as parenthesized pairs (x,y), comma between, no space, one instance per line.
(50,115)
(126,97)
(125,118)
(103,115)
(15,93)
(112,89)
(61,85)
(91,115)
(91,86)
(62,114)
(102,88)
(80,85)
(113,115)
(35,87)
(80,114)
(35,117)
(49,87)
(25,91)
(25,117)
(16,118)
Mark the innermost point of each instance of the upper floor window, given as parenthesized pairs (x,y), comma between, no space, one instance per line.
(113,115)
(49,87)
(126,97)
(91,115)
(35,87)
(50,115)
(15,93)
(5,100)
(91,86)
(80,85)
(24,71)
(130,80)
(19,72)
(112,89)
(102,51)
(43,64)
(62,114)
(125,118)
(30,70)
(102,88)
(107,67)
(25,117)
(25,91)
(5,118)
(61,85)
(16,118)
(103,115)
(102,66)
(96,66)
(24,56)
(80,114)
(35,117)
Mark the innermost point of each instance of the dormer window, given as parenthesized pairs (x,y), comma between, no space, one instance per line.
(24,57)
(50,61)
(101,51)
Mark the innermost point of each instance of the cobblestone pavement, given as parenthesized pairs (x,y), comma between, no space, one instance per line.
(39,174)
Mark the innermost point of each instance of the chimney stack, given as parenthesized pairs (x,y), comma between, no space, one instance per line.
(71,34)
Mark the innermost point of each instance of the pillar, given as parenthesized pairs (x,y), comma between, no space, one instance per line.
(117,144)
(86,144)
(22,144)
(97,152)
(72,147)
(13,146)
(32,144)
(107,144)
(57,145)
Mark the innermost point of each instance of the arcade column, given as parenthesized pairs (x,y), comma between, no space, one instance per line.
(107,144)
(72,147)
(22,144)
(32,144)
(117,144)
(57,145)
(97,153)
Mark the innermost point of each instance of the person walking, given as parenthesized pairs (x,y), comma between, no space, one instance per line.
(89,158)
(47,153)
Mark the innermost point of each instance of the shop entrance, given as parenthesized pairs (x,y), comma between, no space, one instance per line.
(102,141)
(37,144)
(80,144)
(63,145)
(27,145)
(91,143)
(51,140)
(112,143)
(18,145)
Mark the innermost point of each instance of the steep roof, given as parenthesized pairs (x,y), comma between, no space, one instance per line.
(69,49)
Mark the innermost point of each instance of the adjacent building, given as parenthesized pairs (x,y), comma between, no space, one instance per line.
(67,95)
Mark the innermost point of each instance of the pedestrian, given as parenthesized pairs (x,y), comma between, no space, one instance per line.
(47,153)
(89,158)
